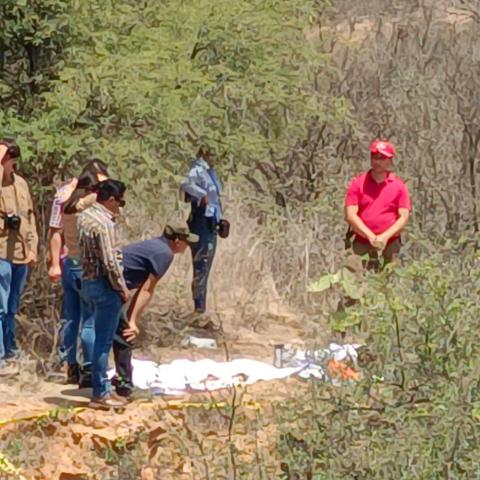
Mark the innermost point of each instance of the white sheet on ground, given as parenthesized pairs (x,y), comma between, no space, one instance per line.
(183,375)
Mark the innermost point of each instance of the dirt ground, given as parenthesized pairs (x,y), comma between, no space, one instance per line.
(45,416)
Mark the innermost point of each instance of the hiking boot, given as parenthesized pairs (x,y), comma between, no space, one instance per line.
(73,374)
(108,402)
(85,380)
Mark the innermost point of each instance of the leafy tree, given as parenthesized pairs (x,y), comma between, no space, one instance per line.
(141,84)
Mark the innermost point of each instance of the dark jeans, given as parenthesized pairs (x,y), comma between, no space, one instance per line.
(122,352)
(107,305)
(203,253)
(13,278)
(77,315)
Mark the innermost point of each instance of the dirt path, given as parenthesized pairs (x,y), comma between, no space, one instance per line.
(73,441)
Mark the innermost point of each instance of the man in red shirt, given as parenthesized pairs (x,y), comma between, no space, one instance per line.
(377,207)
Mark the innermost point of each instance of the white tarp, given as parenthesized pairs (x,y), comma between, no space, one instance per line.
(183,375)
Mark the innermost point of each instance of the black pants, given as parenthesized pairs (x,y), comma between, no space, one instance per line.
(389,254)
(122,352)
(203,253)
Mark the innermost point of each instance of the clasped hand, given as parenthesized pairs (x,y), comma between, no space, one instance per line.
(379,242)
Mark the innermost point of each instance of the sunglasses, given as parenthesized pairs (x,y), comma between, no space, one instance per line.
(121,202)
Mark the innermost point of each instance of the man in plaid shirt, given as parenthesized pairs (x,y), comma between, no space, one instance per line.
(104,284)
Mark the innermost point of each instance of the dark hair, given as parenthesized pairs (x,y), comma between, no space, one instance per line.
(13,149)
(110,188)
(88,177)
(205,150)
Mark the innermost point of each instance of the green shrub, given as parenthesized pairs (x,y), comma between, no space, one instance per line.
(415,413)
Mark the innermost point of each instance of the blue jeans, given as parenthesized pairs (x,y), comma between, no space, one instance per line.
(77,314)
(13,278)
(203,253)
(107,305)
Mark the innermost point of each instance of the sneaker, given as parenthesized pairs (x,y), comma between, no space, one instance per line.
(123,387)
(123,391)
(111,401)
(73,374)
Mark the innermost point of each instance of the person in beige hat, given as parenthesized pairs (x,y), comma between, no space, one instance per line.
(144,264)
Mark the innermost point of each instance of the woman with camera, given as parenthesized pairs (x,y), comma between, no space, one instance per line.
(18,244)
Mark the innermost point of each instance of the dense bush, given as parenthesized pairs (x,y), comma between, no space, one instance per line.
(290,94)
(415,413)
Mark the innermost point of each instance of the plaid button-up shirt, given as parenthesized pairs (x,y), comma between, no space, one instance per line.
(100,255)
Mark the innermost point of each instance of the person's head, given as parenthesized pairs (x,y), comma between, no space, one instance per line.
(179,237)
(381,156)
(10,158)
(94,172)
(110,194)
(207,154)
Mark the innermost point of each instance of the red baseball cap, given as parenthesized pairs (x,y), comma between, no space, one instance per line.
(383,148)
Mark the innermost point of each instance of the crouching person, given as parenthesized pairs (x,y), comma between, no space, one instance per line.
(103,284)
(18,244)
(145,263)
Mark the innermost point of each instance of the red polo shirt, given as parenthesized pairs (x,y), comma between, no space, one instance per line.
(378,203)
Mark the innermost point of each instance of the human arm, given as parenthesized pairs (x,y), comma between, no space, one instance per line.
(191,185)
(353,200)
(357,224)
(31,239)
(140,301)
(382,239)
(55,239)
(54,248)
(113,260)
(3,151)
(404,206)
(79,201)
(85,202)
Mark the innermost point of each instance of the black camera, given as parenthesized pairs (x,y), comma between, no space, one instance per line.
(13,222)
(223,228)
